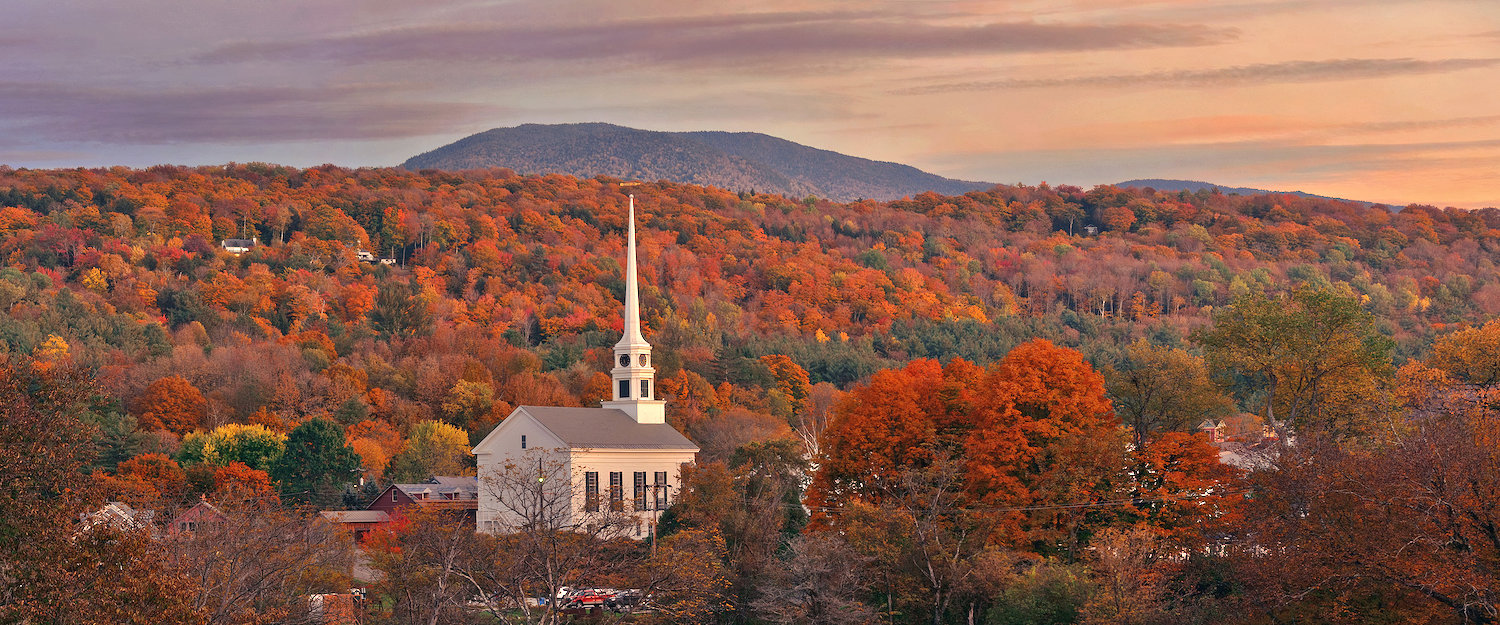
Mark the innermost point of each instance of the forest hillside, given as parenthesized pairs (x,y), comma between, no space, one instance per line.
(1017,377)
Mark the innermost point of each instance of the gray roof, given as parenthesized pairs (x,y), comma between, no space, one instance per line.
(356,516)
(467,487)
(606,428)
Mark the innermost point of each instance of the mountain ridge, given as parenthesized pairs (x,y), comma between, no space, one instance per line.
(1193,186)
(738,161)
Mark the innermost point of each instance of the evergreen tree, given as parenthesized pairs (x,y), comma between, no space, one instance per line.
(316,465)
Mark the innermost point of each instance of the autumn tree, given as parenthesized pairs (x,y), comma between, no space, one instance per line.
(147,480)
(1034,427)
(401,311)
(173,404)
(1161,389)
(962,459)
(432,448)
(376,442)
(1311,358)
(261,562)
(1128,579)
(56,571)
(823,582)
(684,579)
(924,542)
(428,561)
(237,481)
(1409,516)
(1470,356)
(1182,491)
(791,380)
(752,502)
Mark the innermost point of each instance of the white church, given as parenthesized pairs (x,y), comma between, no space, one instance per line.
(620,462)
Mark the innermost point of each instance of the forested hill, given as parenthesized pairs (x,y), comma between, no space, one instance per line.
(1194,186)
(141,362)
(739,161)
(512,284)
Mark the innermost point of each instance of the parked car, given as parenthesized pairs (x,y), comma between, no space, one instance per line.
(586,598)
(626,601)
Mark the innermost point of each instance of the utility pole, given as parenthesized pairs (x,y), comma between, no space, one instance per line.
(656,511)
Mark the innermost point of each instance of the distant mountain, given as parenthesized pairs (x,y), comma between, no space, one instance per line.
(738,161)
(1194,186)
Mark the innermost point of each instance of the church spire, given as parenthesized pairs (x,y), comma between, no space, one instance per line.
(633,375)
(632,336)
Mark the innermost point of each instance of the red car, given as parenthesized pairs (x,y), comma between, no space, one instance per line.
(587,598)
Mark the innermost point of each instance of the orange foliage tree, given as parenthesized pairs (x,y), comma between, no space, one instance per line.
(1034,428)
(237,479)
(791,379)
(173,404)
(146,480)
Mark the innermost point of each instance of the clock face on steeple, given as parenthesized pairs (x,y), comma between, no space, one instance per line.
(624,360)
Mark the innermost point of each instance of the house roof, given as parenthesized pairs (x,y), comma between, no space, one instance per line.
(606,428)
(466,487)
(202,508)
(356,516)
(118,515)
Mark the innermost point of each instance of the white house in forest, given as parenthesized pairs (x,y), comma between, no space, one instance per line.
(620,460)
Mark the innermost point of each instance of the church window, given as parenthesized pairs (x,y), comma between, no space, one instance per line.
(660,487)
(645,389)
(591,491)
(616,491)
(640,490)
(523,441)
(624,389)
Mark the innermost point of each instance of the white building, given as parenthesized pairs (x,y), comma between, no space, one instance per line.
(620,462)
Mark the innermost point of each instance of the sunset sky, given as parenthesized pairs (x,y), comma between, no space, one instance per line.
(1393,101)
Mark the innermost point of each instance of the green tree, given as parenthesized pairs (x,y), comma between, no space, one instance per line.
(254,446)
(316,465)
(1157,389)
(1312,356)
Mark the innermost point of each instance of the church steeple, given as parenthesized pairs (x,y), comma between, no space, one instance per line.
(633,376)
(632,336)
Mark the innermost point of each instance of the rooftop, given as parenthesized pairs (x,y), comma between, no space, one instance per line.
(459,487)
(606,428)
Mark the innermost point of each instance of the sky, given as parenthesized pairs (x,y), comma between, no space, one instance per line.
(1394,101)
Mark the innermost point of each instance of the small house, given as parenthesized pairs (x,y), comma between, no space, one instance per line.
(460,494)
(202,515)
(239,246)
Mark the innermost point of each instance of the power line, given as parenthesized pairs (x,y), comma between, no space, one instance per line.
(1065,506)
